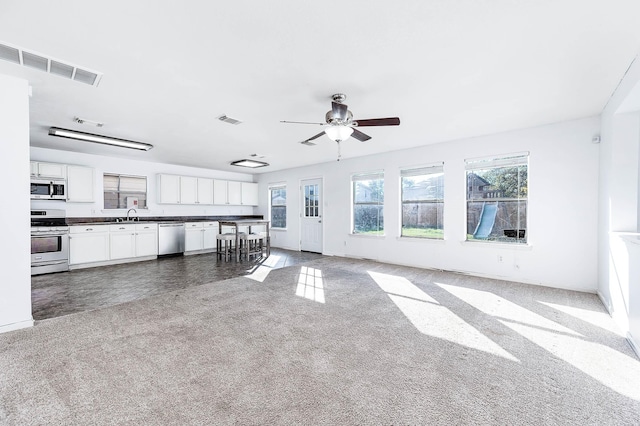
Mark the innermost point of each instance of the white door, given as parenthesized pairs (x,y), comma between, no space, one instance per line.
(311,215)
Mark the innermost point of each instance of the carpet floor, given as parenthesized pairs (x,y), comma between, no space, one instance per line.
(332,341)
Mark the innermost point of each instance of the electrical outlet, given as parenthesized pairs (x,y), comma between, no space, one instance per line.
(500,258)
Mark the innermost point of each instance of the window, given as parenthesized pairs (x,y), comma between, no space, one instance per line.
(423,202)
(124,192)
(497,190)
(311,200)
(278,210)
(368,201)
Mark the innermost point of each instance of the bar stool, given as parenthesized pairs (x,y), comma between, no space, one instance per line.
(228,240)
(251,244)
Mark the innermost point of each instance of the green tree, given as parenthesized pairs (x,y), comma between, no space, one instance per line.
(511,182)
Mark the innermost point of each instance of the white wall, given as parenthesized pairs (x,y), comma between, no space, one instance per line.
(563,182)
(104,164)
(618,205)
(15,266)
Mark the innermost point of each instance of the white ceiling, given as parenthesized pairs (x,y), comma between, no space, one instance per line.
(448,68)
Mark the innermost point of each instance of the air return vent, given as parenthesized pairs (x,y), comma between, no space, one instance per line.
(229,119)
(43,63)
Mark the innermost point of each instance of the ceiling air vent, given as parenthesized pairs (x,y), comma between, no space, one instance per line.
(229,119)
(53,66)
(9,54)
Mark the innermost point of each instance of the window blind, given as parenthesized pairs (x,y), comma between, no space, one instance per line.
(133,184)
(421,171)
(110,183)
(518,159)
(367,176)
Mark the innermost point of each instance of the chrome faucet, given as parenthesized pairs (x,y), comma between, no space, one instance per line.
(129,211)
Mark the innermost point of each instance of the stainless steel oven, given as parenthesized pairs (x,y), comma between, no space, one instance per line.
(48,189)
(49,242)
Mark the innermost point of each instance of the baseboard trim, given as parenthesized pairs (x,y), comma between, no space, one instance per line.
(633,344)
(605,303)
(16,326)
(111,262)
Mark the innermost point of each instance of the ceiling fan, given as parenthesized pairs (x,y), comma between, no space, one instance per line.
(340,124)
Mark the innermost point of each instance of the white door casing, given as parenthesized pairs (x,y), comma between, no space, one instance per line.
(311,215)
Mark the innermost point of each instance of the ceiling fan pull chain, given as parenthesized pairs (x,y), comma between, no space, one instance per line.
(339,155)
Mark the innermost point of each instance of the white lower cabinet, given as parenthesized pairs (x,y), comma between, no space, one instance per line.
(200,236)
(122,240)
(193,236)
(210,232)
(102,243)
(88,244)
(146,239)
(133,240)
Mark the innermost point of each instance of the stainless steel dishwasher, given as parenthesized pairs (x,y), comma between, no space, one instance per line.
(170,238)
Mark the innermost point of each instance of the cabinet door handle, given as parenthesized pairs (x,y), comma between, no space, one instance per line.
(89,229)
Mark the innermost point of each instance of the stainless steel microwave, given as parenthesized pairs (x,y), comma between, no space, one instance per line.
(48,189)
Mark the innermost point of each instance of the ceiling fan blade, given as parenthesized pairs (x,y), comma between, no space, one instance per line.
(339,111)
(357,134)
(313,137)
(302,122)
(391,121)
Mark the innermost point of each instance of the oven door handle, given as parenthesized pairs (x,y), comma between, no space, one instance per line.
(49,234)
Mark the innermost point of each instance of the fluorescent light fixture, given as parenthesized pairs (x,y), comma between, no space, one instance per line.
(106,140)
(338,133)
(249,163)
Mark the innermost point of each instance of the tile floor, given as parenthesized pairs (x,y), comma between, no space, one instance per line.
(64,293)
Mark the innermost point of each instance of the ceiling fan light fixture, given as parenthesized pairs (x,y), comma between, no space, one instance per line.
(338,133)
(249,163)
(105,140)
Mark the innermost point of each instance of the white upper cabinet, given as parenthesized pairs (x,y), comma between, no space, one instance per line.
(48,170)
(205,191)
(249,194)
(80,184)
(168,189)
(188,190)
(234,193)
(220,192)
(173,189)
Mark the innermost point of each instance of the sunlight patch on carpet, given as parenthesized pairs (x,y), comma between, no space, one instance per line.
(501,308)
(310,285)
(433,319)
(606,365)
(595,318)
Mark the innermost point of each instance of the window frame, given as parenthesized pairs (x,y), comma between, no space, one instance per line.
(273,187)
(142,195)
(426,170)
(518,236)
(369,176)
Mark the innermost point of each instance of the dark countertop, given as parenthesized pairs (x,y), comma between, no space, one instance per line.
(157,219)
